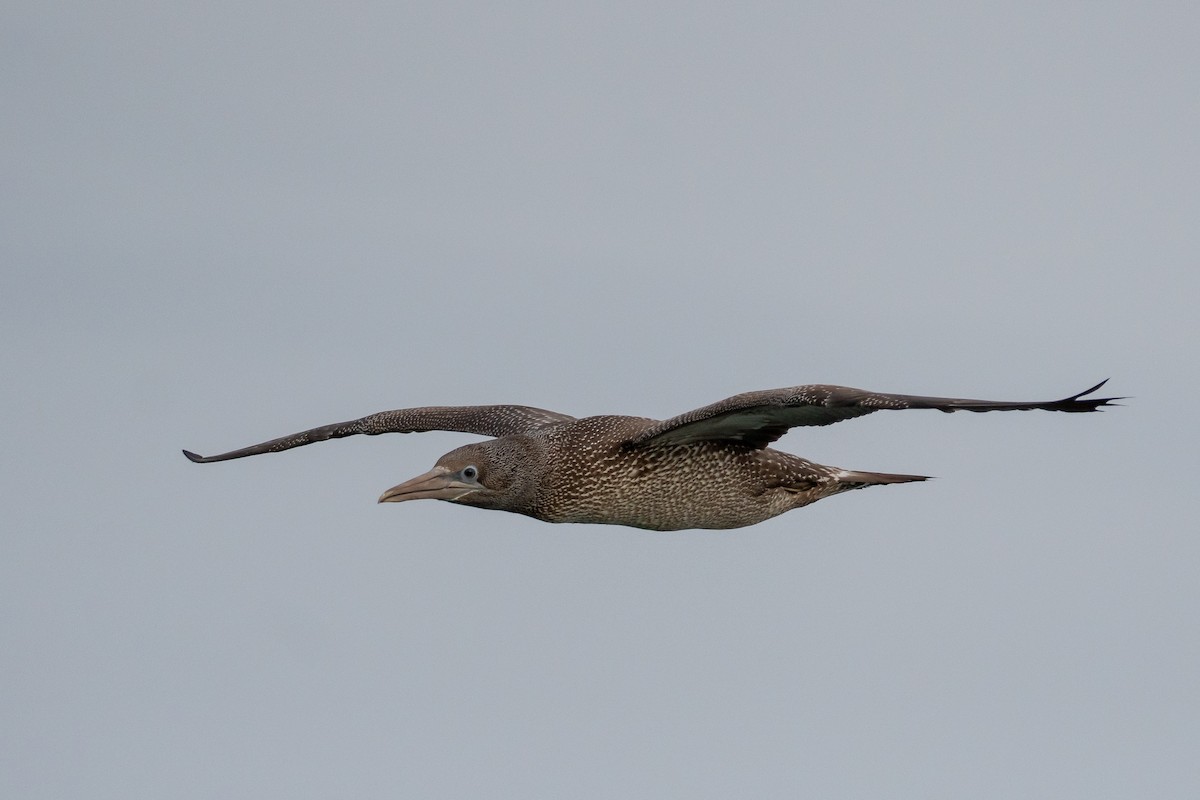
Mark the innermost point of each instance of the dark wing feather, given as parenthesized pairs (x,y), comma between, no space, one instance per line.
(482,420)
(759,418)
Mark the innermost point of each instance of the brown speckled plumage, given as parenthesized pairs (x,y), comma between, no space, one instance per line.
(708,468)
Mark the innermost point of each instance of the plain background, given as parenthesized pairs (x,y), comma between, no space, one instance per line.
(224,222)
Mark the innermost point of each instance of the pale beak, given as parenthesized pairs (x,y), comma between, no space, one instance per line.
(437,484)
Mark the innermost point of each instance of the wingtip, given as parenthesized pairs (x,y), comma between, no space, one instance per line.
(1081,401)
(1093,389)
(194,458)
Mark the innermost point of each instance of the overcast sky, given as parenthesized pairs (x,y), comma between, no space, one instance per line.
(225,222)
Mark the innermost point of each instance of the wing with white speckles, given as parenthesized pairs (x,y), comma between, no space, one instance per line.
(482,420)
(759,418)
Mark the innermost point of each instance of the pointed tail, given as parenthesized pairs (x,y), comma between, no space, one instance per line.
(856,479)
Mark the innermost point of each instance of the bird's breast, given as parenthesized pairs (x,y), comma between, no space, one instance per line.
(699,485)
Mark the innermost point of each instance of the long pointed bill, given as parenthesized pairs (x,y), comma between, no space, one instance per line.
(437,484)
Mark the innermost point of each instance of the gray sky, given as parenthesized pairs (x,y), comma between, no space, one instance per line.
(227,222)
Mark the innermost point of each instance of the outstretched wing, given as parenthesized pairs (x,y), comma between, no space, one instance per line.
(482,420)
(759,418)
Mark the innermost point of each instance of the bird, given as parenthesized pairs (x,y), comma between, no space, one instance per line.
(710,468)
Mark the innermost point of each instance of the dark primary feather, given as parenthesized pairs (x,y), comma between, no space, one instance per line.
(502,420)
(759,418)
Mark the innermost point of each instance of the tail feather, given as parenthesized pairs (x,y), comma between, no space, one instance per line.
(857,478)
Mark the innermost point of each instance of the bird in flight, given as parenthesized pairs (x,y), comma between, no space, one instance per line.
(707,468)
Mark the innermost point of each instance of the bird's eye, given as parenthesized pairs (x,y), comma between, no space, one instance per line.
(470,472)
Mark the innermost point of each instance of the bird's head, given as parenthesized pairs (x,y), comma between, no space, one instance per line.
(496,474)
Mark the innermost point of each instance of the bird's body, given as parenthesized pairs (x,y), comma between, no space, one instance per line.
(708,468)
(725,484)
